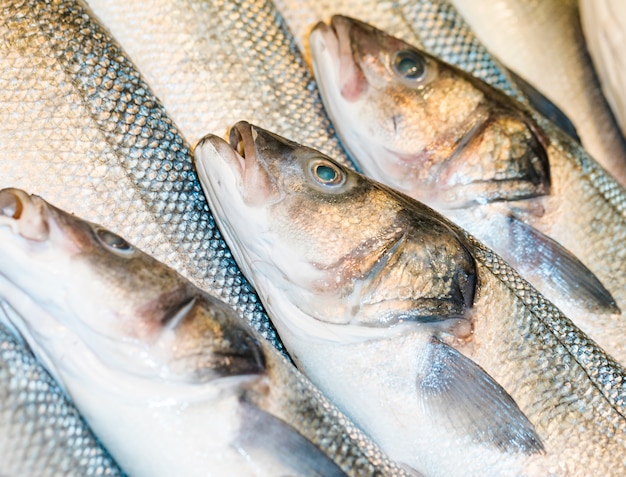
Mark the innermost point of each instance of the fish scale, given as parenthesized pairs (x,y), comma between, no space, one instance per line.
(42,433)
(212,63)
(79,125)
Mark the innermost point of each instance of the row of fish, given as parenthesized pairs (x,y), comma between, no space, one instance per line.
(412,327)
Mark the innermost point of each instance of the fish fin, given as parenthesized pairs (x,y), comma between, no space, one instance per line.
(270,442)
(472,403)
(534,252)
(544,106)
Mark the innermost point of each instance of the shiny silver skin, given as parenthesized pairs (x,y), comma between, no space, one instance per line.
(494,167)
(604,25)
(174,382)
(79,124)
(542,41)
(394,311)
(212,63)
(41,432)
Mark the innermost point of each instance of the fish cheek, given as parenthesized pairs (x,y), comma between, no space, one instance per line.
(505,159)
(428,278)
(212,342)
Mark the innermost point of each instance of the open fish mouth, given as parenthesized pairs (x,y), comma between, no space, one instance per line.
(336,40)
(27,215)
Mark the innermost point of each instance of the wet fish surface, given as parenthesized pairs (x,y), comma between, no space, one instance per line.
(426,338)
(543,42)
(172,379)
(41,432)
(434,25)
(212,63)
(604,23)
(499,170)
(80,125)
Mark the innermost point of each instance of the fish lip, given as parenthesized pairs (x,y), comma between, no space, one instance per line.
(27,215)
(260,185)
(336,37)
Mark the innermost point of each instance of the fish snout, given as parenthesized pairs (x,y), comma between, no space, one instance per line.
(24,213)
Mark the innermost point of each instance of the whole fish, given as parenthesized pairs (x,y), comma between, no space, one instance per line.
(411,326)
(604,25)
(543,42)
(41,432)
(213,62)
(173,381)
(80,125)
(504,173)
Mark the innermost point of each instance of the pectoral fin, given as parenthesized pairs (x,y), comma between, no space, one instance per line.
(535,253)
(270,443)
(459,394)
(544,106)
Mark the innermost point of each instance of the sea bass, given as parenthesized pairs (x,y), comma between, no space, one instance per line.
(41,432)
(434,25)
(80,125)
(604,25)
(212,63)
(542,41)
(411,326)
(507,175)
(173,381)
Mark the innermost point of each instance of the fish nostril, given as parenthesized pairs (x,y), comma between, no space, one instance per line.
(10,204)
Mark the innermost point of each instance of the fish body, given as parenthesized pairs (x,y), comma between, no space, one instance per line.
(79,124)
(171,378)
(603,23)
(41,432)
(504,173)
(212,63)
(543,42)
(427,339)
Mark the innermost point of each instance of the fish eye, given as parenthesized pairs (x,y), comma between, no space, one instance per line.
(326,173)
(409,64)
(113,242)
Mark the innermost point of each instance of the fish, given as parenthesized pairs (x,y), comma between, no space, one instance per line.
(212,63)
(171,379)
(499,170)
(428,340)
(434,25)
(80,125)
(41,432)
(543,42)
(603,24)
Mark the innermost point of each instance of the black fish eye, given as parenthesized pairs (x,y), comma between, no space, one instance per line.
(327,173)
(113,242)
(409,64)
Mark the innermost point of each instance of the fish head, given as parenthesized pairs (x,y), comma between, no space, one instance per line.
(422,126)
(77,282)
(341,248)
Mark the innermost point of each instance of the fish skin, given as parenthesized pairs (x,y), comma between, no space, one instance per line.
(212,63)
(517,32)
(42,433)
(388,138)
(603,26)
(80,125)
(134,342)
(559,378)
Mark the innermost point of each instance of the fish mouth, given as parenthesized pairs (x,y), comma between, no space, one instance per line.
(26,215)
(259,185)
(336,39)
